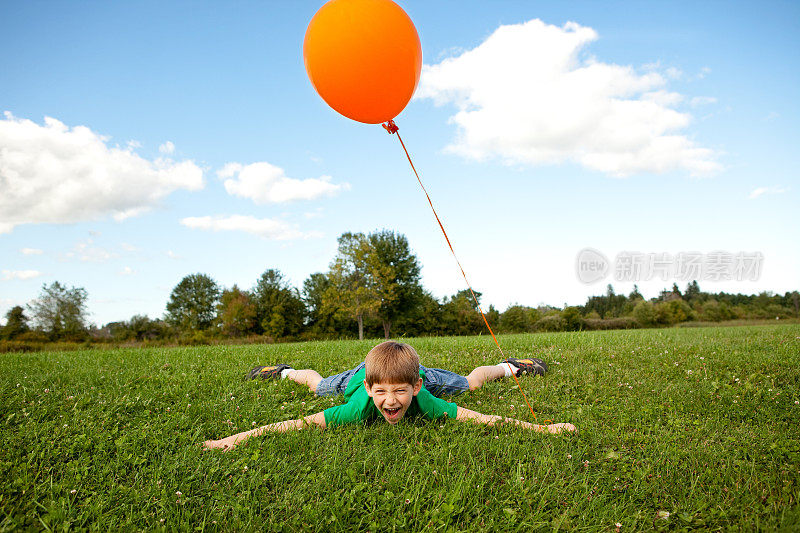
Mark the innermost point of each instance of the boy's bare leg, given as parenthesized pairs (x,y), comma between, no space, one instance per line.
(482,374)
(309,378)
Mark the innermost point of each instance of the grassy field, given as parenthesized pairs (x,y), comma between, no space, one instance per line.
(678,429)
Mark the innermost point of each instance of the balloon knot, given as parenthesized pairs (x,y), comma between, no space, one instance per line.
(390,126)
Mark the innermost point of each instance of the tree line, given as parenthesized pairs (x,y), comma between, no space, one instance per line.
(372,288)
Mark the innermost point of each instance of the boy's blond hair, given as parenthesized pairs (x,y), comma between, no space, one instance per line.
(392,362)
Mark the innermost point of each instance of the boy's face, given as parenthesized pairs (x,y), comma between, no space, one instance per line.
(393,399)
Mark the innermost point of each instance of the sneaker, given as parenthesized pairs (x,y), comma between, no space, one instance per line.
(268,372)
(528,366)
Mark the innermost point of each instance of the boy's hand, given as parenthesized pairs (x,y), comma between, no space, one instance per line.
(226,444)
(557,428)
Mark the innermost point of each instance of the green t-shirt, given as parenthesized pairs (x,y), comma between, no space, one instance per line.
(360,407)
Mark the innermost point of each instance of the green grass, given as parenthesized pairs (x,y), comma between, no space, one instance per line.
(699,423)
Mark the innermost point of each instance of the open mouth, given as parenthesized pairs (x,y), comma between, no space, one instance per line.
(391,413)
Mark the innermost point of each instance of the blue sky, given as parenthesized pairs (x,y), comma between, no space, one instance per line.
(540,129)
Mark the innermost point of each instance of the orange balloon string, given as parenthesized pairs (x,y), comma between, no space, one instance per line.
(392,128)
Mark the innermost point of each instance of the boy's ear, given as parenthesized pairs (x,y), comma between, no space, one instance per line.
(369,390)
(418,386)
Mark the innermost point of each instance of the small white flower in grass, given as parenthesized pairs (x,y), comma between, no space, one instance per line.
(245,468)
(254,422)
(569,456)
(73,491)
(796,402)
(434,472)
(162,520)
(408,501)
(188,405)
(663,514)
(178,494)
(47,390)
(497,436)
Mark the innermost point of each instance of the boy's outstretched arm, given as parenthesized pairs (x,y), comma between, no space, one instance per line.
(229,443)
(466,414)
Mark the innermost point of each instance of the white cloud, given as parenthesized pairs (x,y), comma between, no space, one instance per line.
(265,183)
(173,255)
(127,271)
(698,101)
(527,95)
(317,213)
(167,148)
(272,229)
(88,252)
(760,191)
(20,274)
(31,251)
(705,71)
(52,173)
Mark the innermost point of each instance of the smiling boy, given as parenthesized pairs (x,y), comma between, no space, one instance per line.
(391,384)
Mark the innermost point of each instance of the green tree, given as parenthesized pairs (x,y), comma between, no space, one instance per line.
(572,319)
(193,302)
(322,320)
(518,319)
(394,273)
(236,312)
(16,323)
(352,290)
(673,312)
(424,319)
(61,312)
(714,311)
(692,291)
(635,294)
(644,313)
(460,315)
(608,306)
(280,312)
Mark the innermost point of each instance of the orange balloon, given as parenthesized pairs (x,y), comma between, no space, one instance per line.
(363,58)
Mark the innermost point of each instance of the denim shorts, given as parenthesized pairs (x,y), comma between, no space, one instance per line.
(438,382)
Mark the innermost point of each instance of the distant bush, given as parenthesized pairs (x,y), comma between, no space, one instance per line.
(572,319)
(714,311)
(518,319)
(673,312)
(645,314)
(550,323)
(624,322)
